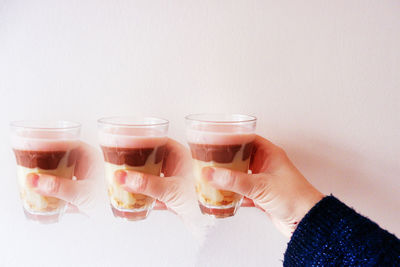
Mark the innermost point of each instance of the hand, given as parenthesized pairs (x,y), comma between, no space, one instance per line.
(175,190)
(79,193)
(276,186)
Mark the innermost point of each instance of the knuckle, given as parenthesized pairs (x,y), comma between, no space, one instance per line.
(260,189)
(170,194)
(53,185)
(139,182)
(280,150)
(229,178)
(281,153)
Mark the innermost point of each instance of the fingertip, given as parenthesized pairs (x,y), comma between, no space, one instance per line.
(32,179)
(120,176)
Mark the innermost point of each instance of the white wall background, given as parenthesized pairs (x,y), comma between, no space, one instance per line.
(323,77)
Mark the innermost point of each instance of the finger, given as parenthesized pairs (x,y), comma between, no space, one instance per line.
(253,186)
(260,141)
(161,188)
(176,158)
(62,188)
(86,162)
(264,151)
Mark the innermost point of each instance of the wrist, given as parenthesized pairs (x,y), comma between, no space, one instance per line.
(308,201)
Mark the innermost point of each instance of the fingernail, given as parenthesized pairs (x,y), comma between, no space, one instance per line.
(208,173)
(32,179)
(120,176)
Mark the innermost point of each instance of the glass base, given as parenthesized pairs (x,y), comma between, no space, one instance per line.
(221,211)
(44,218)
(130,215)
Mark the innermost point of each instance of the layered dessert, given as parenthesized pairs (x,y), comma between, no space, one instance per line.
(123,151)
(41,155)
(225,149)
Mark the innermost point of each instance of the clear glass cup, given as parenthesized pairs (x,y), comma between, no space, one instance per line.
(49,147)
(219,140)
(130,143)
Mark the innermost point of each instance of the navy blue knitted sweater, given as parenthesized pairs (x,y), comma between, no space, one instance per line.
(332,234)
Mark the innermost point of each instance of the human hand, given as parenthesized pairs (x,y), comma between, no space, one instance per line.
(276,186)
(175,191)
(81,192)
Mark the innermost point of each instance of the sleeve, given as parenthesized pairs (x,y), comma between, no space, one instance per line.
(332,234)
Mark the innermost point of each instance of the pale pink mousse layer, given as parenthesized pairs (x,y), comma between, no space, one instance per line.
(131,138)
(219,134)
(44,141)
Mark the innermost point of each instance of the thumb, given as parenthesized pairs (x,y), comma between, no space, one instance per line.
(253,186)
(163,189)
(75,192)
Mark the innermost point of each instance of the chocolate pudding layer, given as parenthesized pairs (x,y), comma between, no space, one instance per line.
(135,157)
(46,160)
(219,153)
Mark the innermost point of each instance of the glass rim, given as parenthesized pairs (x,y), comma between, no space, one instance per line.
(36,125)
(109,121)
(248,118)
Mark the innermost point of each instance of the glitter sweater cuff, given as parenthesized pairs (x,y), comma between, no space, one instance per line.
(332,233)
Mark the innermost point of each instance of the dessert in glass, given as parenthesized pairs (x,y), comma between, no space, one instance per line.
(137,144)
(219,140)
(48,147)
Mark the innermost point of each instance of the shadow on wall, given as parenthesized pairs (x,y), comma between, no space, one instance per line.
(359,180)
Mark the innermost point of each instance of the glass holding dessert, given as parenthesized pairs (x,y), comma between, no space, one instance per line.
(219,140)
(131,144)
(49,148)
